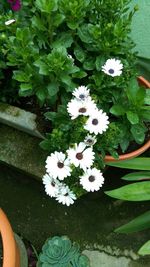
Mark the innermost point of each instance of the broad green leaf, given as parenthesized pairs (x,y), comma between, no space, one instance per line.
(43,67)
(132,117)
(46,6)
(63,40)
(135,164)
(138,132)
(52,88)
(145,249)
(21,76)
(132,192)
(138,224)
(137,176)
(132,90)
(117,110)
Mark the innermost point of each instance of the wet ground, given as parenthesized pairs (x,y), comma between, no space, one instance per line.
(90,221)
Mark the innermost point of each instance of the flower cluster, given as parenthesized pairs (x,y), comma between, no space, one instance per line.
(60,165)
(15,4)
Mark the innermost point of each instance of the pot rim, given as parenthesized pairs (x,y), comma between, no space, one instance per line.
(143,148)
(11,256)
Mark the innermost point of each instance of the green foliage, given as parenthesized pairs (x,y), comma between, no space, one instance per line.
(145,249)
(138,224)
(139,191)
(59,251)
(55,46)
(133,192)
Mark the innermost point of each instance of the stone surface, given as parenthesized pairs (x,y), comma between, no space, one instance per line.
(20,119)
(102,259)
(22,151)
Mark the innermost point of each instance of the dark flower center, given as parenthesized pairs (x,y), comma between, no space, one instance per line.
(94,121)
(89,141)
(79,156)
(82,96)
(60,164)
(91,178)
(111,71)
(66,195)
(82,110)
(53,184)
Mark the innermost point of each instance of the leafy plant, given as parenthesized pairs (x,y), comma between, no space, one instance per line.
(61,252)
(53,49)
(139,191)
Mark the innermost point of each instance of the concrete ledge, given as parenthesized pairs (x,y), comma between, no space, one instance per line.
(22,151)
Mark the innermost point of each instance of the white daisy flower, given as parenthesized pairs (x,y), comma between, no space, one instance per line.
(81,156)
(81,93)
(97,123)
(8,22)
(113,67)
(66,196)
(90,140)
(92,180)
(51,185)
(58,165)
(76,108)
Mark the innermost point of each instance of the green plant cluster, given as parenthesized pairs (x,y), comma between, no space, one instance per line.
(61,252)
(55,46)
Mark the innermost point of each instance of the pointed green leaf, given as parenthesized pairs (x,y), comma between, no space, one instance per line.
(138,224)
(145,249)
(137,176)
(132,192)
(135,164)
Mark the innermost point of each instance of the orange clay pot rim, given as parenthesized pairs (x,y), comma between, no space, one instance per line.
(143,148)
(10,249)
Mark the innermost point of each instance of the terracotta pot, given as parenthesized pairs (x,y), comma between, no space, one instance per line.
(11,256)
(142,149)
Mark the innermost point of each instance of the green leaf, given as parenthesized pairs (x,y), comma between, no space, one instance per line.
(132,192)
(147,98)
(21,76)
(145,249)
(41,95)
(140,163)
(50,115)
(117,110)
(89,64)
(63,40)
(132,117)
(138,132)
(58,19)
(79,74)
(43,67)
(46,6)
(72,25)
(100,60)
(132,90)
(137,176)
(84,34)
(138,224)
(79,53)
(53,88)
